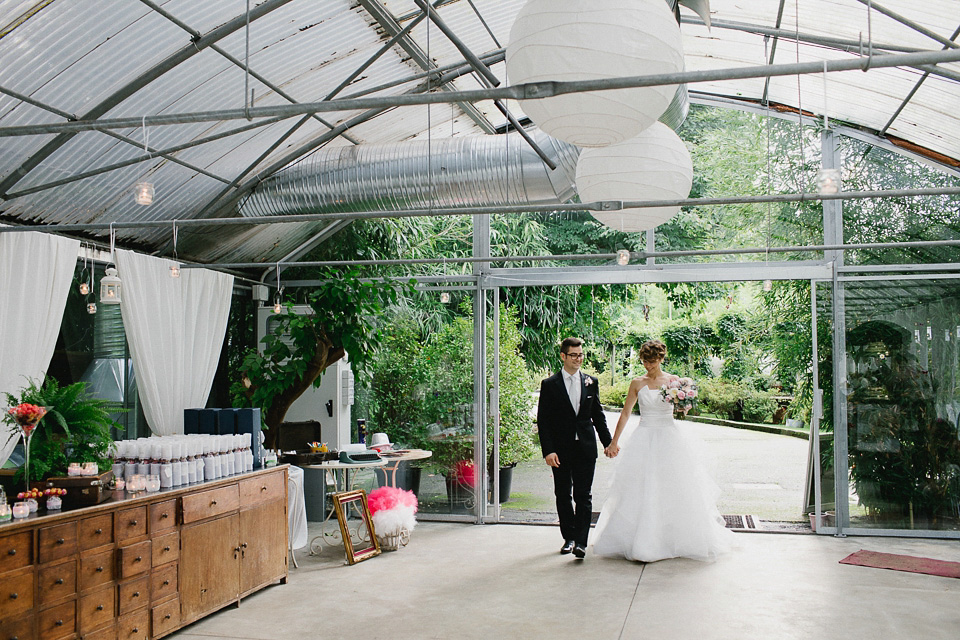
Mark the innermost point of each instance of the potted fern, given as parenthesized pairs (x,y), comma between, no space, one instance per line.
(75,429)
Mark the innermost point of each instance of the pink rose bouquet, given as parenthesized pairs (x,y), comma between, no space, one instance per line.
(680,392)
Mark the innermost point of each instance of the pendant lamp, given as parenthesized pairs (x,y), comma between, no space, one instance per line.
(655,165)
(568,40)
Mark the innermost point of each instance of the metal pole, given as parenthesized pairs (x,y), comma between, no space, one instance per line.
(527,91)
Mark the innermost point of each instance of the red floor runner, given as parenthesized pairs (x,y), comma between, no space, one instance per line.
(903,563)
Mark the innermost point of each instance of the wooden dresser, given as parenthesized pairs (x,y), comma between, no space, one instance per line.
(138,567)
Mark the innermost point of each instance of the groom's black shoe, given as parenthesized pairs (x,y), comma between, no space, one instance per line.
(567,547)
(580,551)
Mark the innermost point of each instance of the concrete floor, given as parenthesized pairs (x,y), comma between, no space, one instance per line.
(509,581)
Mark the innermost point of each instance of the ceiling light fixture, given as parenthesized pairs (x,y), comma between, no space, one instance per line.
(623,257)
(445,297)
(111,289)
(143,191)
(175,268)
(278,299)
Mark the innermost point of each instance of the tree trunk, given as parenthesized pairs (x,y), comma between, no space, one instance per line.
(325,355)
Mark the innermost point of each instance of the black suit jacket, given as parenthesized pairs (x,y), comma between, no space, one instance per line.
(563,432)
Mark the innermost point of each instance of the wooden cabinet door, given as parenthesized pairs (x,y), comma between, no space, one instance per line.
(209,566)
(263,541)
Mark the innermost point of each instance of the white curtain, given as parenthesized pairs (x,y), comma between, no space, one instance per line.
(36,270)
(175,328)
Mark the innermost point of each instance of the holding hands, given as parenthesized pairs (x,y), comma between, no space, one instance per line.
(612,450)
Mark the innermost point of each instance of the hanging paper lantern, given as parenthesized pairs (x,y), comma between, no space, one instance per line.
(567,40)
(655,165)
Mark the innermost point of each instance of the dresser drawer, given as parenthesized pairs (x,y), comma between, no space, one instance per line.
(97,609)
(103,633)
(97,569)
(131,523)
(206,504)
(263,488)
(134,626)
(133,595)
(16,551)
(164,582)
(57,542)
(96,531)
(58,622)
(20,629)
(163,516)
(166,548)
(135,559)
(16,595)
(58,582)
(166,616)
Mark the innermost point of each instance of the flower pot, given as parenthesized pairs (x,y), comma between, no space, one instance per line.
(407,477)
(506,480)
(828,518)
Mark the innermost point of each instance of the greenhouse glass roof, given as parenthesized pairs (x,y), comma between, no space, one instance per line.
(63,61)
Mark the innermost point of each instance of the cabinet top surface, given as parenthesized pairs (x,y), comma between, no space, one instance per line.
(123,499)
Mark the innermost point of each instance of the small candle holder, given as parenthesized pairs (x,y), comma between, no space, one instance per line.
(136,483)
(20,510)
(32,504)
(119,484)
(153,483)
(74,469)
(5,512)
(90,469)
(54,503)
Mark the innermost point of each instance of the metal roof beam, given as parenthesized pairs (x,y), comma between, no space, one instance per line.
(773,51)
(910,23)
(37,103)
(390,25)
(526,91)
(439,73)
(603,205)
(487,77)
(138,83)
(913,91)
(152,153)
(273,87)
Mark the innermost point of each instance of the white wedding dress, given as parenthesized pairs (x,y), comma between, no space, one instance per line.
(662,503)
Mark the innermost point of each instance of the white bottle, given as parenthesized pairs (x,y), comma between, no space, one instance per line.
(166,466)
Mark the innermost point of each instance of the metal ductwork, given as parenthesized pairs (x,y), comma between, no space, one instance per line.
(448,172)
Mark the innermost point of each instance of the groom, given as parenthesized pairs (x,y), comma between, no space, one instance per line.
(568,414)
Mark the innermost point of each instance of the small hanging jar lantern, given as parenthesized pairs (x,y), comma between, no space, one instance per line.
(110,287)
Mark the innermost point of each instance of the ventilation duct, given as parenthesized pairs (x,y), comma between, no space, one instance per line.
(468,171)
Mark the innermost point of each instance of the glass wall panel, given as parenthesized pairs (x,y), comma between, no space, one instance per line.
(903,401)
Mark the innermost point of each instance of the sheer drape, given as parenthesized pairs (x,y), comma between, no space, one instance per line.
(175,328)
(35,274)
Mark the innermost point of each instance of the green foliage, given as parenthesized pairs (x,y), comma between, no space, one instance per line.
(613,395)
(688,348)
(737,400)
(758,406)
(395,398)
(75,429)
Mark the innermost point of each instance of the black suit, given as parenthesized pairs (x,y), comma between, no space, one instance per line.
(573,437)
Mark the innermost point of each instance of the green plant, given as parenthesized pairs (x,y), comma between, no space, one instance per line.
(758,406)
(75,429)
(613,395)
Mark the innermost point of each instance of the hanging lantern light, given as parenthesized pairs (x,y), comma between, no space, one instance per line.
(768,285)
(445,297)
(84,288)
(828,181)
(143,193)
(174,271)
(623,257)
(655,165)
(277,303)
(110,287)
(569,40)
(91,308)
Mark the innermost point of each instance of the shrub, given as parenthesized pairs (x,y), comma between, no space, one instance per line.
(721,397)
(758,406)
(613,395)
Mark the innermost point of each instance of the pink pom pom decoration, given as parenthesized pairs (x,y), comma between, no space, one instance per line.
(387,498)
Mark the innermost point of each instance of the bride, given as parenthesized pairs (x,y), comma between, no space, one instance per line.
(662,503)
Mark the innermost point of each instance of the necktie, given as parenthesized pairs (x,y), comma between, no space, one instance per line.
(573,390)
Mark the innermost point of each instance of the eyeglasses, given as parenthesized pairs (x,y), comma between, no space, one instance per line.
(575,356)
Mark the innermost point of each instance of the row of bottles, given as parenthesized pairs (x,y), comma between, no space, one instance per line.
(183,459)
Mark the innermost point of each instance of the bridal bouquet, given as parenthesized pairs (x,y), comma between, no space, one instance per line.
(681,393)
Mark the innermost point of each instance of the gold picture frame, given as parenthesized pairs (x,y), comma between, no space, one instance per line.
(356,499)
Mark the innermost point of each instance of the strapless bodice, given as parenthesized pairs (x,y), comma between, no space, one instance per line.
(652,405)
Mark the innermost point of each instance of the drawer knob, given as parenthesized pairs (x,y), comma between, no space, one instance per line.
(59,623)
(166,617)
(136,594)
(138,559)
(59,581)
(12,552)
(166,548)
(135,630)
(98,531)
(213,503)
(99,569)
(99,607)
(263,488)
(13,596)
(60,540)
(164,515)
(166,583)
(133,523)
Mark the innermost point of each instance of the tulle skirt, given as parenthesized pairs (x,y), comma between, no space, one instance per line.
(662,502)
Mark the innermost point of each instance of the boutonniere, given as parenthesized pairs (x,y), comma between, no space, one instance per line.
(588,381)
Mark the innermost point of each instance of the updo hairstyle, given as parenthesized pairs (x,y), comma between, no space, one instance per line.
(652,350)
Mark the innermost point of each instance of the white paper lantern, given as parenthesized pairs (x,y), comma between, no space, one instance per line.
(655,165)
(568,40)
